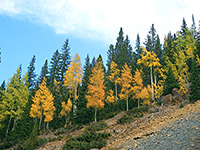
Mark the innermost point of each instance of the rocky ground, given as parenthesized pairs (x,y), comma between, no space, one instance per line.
(171,128)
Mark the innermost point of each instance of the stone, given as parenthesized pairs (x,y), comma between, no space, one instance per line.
(167,100)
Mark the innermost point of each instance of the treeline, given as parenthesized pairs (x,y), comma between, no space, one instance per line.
(65,94)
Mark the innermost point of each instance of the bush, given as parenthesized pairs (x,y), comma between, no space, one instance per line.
(125,119)
(105,115)
(97,126)
(181,105)
(42,141)
(86,141)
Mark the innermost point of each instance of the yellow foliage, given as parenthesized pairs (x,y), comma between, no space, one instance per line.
(115,72)
(198,60)
(66,108)
(43,103)
(110,97)
(137,84)
(146,95)
(96,94)
(73,75)
(125,82)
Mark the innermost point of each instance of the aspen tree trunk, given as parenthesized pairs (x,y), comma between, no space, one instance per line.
(152,91)
(74,109)
(40,122)
(95,114)
(127,102)
(47,128)
(116,90)
(155,78)
(14,124)
(8,126)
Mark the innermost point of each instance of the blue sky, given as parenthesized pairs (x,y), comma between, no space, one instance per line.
(40,27)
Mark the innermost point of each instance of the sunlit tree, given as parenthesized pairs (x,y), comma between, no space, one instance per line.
(96,93)
(125,82)
(43,104)
(73,78)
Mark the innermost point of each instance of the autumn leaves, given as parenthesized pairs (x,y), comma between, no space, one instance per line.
(127,87)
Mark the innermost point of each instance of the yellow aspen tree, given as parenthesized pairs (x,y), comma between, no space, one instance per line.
(160,84)
(43,104)
(137,86)
(110,97)
(96,93)
(125,82)
(149,59)
(66,109)
(73,78)
(114,76)
(146,95)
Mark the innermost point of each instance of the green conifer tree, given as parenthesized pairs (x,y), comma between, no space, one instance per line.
(195,81)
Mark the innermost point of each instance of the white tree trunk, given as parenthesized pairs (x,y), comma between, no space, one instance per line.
(152,89)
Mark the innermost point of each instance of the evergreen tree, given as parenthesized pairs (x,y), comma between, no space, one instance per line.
(126,54)
(152,34)
(111,54)
(93,62)
(148,43)
(169,48)
(83,114)
(170,82)
(184,28)
(32,74)
(65,59)
(138,47)
(198,41)
(44,72)
(54,71)
(193,28)
(158,49)
(195,81)
(119,48)
(100,61)
(2,88)
(33,139)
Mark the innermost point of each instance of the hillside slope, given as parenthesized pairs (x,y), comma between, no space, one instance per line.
(173,126)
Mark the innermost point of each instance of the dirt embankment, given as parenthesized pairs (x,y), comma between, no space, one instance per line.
(147,126)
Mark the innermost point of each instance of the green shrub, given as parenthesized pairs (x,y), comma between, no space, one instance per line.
(76,145)
(42,141)
(181,105)
(6,145)
(125,119)
(105,115)
(97,126)
(86,141)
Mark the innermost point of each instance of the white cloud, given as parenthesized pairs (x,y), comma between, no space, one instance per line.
(101,20)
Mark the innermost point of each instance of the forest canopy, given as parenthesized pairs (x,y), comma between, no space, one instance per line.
(65,93)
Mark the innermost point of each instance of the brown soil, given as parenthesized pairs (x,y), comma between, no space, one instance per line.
(141,127)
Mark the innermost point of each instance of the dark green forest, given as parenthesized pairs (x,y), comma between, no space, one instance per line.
(66,95)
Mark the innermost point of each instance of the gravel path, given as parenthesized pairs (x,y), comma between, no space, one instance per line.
(182,134)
